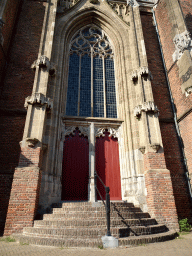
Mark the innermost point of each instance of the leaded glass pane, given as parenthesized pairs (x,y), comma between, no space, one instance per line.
(85,89)
(91,42)
(72,91)
(110,88)
(98,101)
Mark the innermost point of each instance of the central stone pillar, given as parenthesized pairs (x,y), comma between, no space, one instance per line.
(92,195)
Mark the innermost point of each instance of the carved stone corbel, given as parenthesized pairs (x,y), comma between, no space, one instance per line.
(155,147)
(134,76)
(94,1)
(32,142)
(44,62)
(142,149)
(145,107)
(132,3)
(64,5)
(144,71)
(2,23)
(182,42)
(188,91)
(29,142)
(40,99)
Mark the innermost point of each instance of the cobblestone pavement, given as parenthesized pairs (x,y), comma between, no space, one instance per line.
(179,246)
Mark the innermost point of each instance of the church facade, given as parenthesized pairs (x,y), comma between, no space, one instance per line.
(95,86)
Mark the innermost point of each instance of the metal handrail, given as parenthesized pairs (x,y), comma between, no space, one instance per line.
(107,205)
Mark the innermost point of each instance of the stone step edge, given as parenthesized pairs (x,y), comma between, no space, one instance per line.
(144,239)
(92,242)
(99,227)
(101,219)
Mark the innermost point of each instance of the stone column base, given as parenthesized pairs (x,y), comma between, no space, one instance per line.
(23,201)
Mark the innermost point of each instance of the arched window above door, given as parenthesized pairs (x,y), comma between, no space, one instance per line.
(91,78)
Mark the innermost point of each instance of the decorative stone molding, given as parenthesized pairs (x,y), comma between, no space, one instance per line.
(182,42)
(112,132)
(29,142)
(145,107)
(40,99)
(188,91)
(134,76)
(142,71)
(1,27)
(142,149)
(94,1)
(71,130)
(32,142)
(64,5)
(44,62)
(120,8)
(155,147)
(132,3)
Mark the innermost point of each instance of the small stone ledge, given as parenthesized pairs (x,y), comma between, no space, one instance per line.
(145,107)
(44,62)
(143,72)
(154,147)
(39,99)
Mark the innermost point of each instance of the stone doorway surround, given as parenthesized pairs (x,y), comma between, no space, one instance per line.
(91,127)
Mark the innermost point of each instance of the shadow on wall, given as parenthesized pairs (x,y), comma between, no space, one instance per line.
(188,20)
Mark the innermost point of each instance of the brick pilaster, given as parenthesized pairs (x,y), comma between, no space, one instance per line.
(160,197)
(23,200)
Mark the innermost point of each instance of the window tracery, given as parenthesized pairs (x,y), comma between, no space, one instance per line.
(91,80)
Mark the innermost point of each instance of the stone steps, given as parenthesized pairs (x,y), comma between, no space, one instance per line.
(96,214)
(94,222)
(82,224)
(90,209)
(93,232)
(82,242)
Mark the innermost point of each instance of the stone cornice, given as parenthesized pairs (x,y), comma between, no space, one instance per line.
(142,3)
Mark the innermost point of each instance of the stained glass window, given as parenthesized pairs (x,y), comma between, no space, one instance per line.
(91,78)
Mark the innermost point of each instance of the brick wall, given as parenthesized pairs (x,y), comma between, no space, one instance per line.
(23,200)
(17,85)
(172,149)
(9,17)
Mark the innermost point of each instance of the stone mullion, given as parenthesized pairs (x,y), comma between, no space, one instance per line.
(92,192)
(92,106)
(79,87)
(104,89)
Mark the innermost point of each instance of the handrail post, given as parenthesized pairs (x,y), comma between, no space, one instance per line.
(108,210)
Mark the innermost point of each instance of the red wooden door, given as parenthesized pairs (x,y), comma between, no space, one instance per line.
(75,168)
(107,166)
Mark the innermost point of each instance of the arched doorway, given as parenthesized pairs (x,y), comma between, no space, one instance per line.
(75,174)
(107,166)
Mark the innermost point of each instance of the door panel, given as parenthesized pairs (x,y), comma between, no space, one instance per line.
(75,168)
(107,166)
